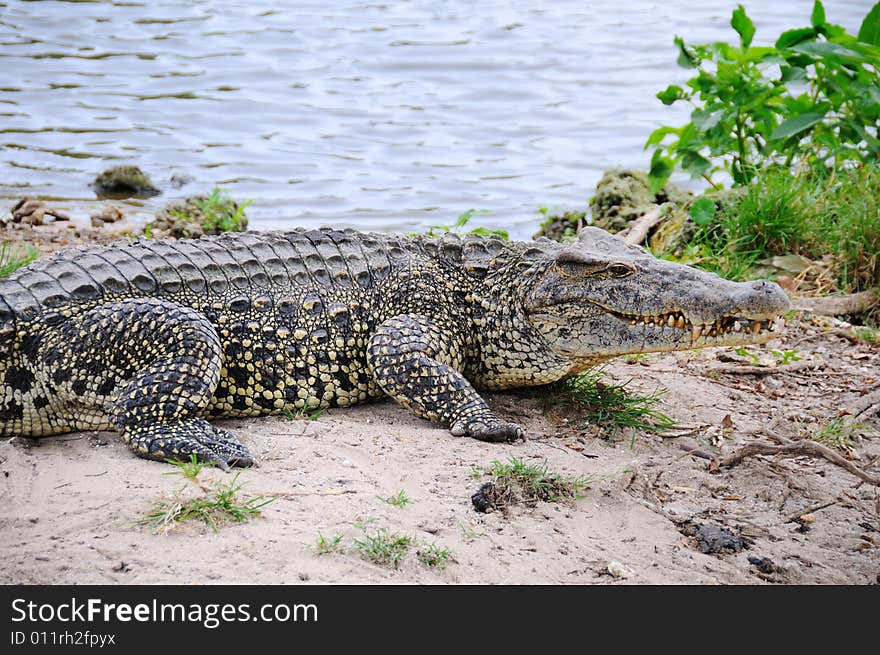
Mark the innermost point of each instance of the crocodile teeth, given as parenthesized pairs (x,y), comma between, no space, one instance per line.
(696,331)
(680,323)
(737,326)
(671,321)
(756,327)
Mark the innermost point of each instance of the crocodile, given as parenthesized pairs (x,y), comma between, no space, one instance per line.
(155,338)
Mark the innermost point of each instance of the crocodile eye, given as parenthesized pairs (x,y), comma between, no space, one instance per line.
(620,270)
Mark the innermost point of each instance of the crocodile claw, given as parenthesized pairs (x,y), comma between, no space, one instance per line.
(182,440)
(494,431)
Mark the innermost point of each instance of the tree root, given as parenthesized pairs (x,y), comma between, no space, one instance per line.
(804,447)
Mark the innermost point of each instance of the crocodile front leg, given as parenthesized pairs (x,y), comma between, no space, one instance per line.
(151,367)
(417,361)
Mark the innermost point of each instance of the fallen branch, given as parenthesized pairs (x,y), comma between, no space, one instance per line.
(638,231)
(695,451)
(804,447)
(766,370)
(809,510)
(854,303)
(866,407)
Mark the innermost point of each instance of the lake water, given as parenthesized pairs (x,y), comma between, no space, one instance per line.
(389,116)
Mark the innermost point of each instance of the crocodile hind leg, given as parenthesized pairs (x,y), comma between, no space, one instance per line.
(152,366)
(415,360)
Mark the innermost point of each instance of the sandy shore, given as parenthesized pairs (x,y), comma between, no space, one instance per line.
(72,503)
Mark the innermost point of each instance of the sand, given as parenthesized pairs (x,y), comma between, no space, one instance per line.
(72,503)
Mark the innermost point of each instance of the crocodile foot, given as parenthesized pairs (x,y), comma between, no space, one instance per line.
(489,430)
(183,439)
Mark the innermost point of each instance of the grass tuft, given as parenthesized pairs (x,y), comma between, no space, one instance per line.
(434,556)
(14,255)
(326,546)
(222,213)
(218,507)
(611,405)
(383,547)
(311,414)
(519,481)
(400,499)
(189,469)
(838,433)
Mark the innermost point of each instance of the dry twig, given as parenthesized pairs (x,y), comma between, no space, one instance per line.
(854,303)
(803,447)
(766,370)
(638,231)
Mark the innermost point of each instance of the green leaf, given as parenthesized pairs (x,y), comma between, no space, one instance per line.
(793,74)
(817,18)
(704,120)
(832,51)
(703,210)
(486,232)
(694,163)
(686,58)
(670,94)
(793,37)
(796,124)
(743,26)
(661,169)
(659,134)
(462,220)
(870,30)
(872,141)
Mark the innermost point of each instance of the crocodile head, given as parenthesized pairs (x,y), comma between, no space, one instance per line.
(600,297)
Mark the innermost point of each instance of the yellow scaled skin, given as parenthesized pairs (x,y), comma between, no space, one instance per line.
(153,338)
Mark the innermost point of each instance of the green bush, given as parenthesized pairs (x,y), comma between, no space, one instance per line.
(807,214)
(813,99)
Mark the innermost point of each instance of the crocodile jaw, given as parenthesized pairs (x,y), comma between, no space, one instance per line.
(578,335)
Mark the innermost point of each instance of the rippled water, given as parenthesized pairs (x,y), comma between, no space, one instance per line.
(388,115)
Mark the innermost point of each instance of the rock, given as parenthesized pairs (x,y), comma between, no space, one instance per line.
(623,195)
(124,182)
(484,499)
(200,215)
(673,232)
(108,214)
(618,570)
(763,564)
(178,181)
(33,212)
(562,228)
(712,539)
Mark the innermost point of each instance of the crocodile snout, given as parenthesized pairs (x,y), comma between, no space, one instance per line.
(761,299)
